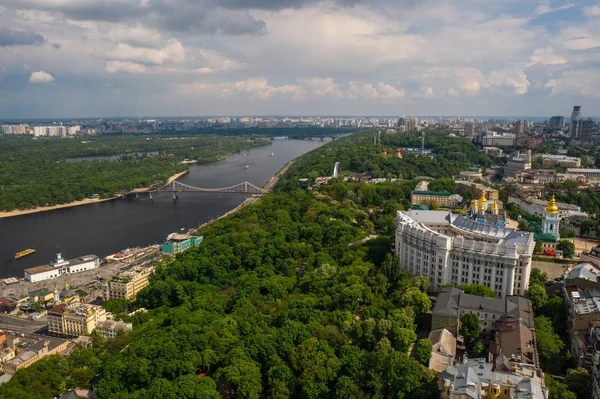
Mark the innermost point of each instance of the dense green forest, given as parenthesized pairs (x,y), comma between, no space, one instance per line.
(357,154)
(35,172)
(284,298)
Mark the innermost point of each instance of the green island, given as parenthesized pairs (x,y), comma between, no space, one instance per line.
(296,295)
(35,172)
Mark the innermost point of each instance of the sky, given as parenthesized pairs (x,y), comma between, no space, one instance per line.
(86,58)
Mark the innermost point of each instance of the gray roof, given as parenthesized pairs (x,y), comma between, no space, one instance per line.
(488,230)
(587,271)
(428,216)
(451,299)
(447,302)
(485,304)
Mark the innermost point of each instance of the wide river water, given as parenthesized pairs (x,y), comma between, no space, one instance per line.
(107,227)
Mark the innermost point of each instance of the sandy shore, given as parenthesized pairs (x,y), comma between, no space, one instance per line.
(85,201)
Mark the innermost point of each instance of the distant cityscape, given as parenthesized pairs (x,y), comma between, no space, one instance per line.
(487,131)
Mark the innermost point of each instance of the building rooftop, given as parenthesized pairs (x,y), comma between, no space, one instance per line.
(443,350)
(22,358)
(514,341)
(70,262)
(581,170)
(470,377)
(451,299)
(586,271)
(436,193)
(492,232)
(114,325)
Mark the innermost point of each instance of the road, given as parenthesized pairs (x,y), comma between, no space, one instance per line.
(20,325)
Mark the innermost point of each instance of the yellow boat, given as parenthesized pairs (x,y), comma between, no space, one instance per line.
(24,253)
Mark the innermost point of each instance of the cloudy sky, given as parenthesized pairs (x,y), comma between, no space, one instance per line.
(62,58)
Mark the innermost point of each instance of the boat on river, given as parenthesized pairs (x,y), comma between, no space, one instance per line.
(247,166)
(26,252)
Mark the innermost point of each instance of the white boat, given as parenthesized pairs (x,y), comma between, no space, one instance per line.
(247,166)
(272,154)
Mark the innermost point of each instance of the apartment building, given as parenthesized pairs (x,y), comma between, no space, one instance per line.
(128,283)
(74,319)
(476,379)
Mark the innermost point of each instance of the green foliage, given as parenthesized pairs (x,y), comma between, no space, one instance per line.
(478,289)
(549,345)
(35,172)
(557,389)
(115,306)
(579,381)
(26,383)
(537,294)
(567,248)
(470,330)
(537,277)
(444,184)
(422,351)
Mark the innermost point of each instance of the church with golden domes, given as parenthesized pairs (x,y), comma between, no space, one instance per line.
(550,234)
(482,212)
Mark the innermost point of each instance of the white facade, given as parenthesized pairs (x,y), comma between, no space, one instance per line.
(41,275)
(59,267)
(449,248)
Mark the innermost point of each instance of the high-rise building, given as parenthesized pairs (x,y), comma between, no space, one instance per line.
(574,124)
(452,249)
(470,129)
(586,130)
(519,127)
(410,124)
(556,123)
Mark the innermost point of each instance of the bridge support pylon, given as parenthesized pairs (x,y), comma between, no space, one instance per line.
(150,196)
(137,196)
(175,196)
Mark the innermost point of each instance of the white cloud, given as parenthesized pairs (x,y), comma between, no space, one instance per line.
(172,52)
(387,92)
(547,56)
(124,66)
(592,11)
(41,77)
(546,9)
(511,76)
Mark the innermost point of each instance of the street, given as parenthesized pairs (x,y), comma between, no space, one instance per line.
(19,325)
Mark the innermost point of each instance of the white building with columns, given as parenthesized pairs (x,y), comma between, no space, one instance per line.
(449,248)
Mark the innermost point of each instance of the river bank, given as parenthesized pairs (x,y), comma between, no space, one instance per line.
(86,201)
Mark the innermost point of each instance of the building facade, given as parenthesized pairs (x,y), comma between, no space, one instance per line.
(451,249)
(592,176)
(74,319)
(60,267)
(111,328)
(441,198)
(127,284)
(177,243)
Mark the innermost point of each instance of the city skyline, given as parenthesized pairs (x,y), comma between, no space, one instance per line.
(74,59)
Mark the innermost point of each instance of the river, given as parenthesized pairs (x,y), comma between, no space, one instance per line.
(107,227)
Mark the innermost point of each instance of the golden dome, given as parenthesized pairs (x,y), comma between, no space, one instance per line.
(474,204)
(482,200)
(552,208)
(481,207)
(495,206)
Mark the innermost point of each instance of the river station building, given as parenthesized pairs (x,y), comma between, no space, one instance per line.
(452,249)
(60,267)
